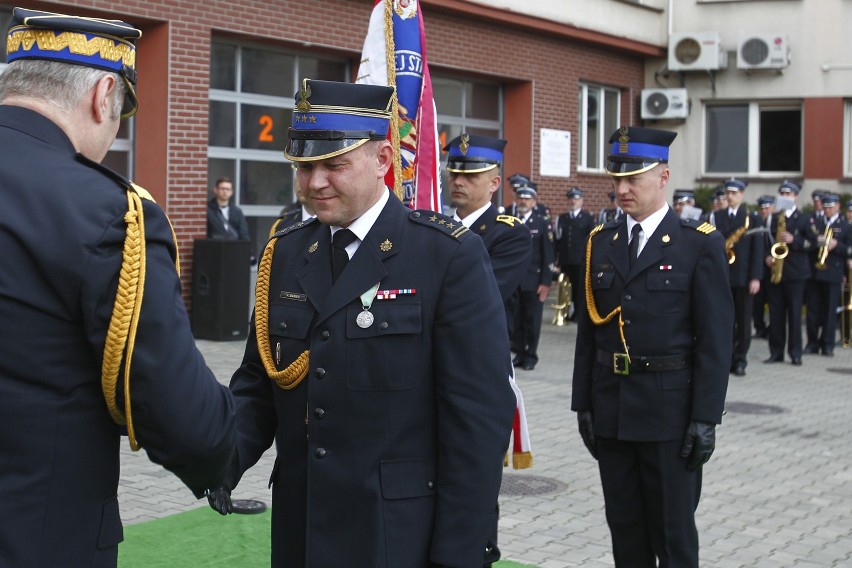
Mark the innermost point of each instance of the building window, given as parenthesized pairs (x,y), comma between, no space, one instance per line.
(251,107)
(466,106)
(753,138)
(598,120)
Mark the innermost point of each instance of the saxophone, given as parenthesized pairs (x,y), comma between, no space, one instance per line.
(779,250)
(822,255)
(732,240)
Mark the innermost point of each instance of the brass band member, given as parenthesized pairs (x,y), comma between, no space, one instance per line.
(785,297)
(745,264)
(652,355)
(572,229)
(829,268)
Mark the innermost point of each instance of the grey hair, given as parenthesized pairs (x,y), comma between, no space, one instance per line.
(59,84)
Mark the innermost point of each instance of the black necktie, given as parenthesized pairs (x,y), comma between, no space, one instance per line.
(634,243)
(733,215)
(339,258)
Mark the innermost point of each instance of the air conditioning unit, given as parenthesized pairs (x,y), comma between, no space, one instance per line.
(664,104)
(696,51)
(763,51)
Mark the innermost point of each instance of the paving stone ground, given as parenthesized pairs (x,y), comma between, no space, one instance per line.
(777,492)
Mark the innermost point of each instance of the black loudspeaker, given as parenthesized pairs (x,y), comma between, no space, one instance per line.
(220,289)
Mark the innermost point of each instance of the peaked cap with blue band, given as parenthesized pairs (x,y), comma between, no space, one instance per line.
(471,153)
(636,150)
(790,186)
(91,42)
(333,118)
(829,199)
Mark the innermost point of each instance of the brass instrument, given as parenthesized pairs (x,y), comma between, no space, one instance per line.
(822,253)
(779,250)
(563,300)
(846,311)
(733,239)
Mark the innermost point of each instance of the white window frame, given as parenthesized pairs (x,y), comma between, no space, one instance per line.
(754,110)
(847,138)
(582,128)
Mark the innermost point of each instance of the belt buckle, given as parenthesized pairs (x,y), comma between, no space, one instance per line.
(620,364)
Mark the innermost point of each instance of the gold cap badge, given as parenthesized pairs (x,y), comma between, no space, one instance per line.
(304,93)
(623,140)
(464,145)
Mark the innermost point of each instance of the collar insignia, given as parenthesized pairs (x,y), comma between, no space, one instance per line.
(386,246)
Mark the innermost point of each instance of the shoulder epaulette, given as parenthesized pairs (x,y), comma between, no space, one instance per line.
(118,178)
(700,226)
(294,227)
(443,223)
(509,220)
(142,192)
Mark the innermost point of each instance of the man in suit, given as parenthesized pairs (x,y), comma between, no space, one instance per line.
(785,297)
(224,219)
(829,269)
(745,262)
(368,363)
(474,166)
(763,218)
(652,353)
(535,286)
(85,356)
(571,231)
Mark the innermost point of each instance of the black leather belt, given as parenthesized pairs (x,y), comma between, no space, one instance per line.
(639,364)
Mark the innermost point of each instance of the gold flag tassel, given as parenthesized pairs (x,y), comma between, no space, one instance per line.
(590,298)
(298,369)
(390,56)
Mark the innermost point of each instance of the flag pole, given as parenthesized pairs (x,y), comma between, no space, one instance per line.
(390,56)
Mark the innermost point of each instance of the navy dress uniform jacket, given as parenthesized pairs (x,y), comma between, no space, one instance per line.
(538,270)
(571,238)
(62,231)
(390,451)
(676,300)
(749,249)
(290,215)
(509,247)
(835,263)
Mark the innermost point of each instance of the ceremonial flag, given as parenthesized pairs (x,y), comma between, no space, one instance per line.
(395,54)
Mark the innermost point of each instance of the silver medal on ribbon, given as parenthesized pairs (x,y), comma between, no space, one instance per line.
(365,318)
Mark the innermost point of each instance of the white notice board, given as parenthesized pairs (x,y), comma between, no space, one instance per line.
(555,153)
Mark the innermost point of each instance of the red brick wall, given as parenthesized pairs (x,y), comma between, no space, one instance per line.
(553,64)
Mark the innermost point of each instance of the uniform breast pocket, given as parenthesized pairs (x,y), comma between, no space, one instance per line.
(667,292)
(602,280)
(387,351)
(289,325)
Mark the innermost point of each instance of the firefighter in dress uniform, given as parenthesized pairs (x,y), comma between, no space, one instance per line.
(652,357)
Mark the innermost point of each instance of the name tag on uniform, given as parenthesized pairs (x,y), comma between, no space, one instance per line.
(293,296)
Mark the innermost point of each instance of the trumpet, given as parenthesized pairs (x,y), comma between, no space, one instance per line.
(779,250)
(822,254)
(563,300)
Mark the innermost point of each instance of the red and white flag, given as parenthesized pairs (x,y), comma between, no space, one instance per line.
(395,54)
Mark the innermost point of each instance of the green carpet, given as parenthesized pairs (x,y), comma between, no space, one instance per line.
(203,538)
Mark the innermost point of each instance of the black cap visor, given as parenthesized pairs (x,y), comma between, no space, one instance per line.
(629,167)
(469,167)
(131,103)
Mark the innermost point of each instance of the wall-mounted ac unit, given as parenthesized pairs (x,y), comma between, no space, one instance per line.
(763,51)
(696,51)
(664,104)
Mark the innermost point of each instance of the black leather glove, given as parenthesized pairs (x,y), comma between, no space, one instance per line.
(220,500)
(587,431)
(698,444)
